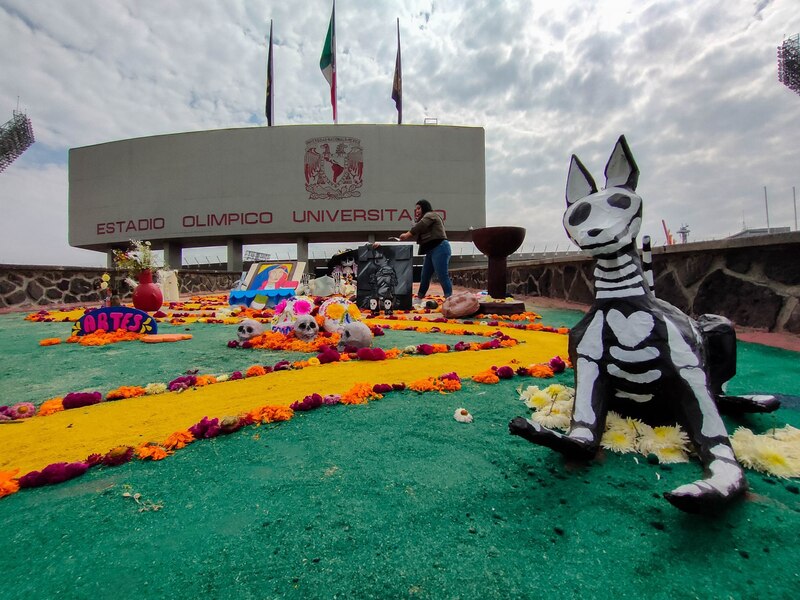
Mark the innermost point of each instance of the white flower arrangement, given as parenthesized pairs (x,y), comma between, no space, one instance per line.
(152,389)
(776,452)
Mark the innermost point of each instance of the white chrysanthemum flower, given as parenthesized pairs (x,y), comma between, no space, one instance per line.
(539,401)
(614,420)
(776,457)
(555,389)
(551,418)
(671,454)
(462,415)
(565,395)
(619,439)
(787,433)
(527,392)
(223,377)
(155,388)
(410,350)
(652,439)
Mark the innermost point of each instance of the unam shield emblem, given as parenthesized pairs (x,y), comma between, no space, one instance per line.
(334,168)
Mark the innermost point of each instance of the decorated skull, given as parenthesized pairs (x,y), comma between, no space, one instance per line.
(338,312)
(249,329)
(287,312)
(306,328)
(355,335)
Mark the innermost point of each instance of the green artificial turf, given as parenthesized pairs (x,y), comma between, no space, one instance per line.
(393,499)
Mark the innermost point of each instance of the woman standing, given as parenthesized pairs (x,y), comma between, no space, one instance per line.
(432,239)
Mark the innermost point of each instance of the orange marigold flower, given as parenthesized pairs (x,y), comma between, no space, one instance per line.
(360,393)
(178,440)
(487,376)
(271,414)
(125,391)
(256,371)
(202,380)
(8,484)
(422,385)
(542,371)
(392,353)
(50,341)
(151,452)
(51,406)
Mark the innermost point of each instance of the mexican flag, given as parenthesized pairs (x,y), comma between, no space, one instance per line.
(327,61)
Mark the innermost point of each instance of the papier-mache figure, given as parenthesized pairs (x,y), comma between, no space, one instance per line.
(287,312)
(338,312)
(639,355)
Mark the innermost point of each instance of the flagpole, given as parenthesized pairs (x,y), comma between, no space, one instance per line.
(335,85)
(270,97)
(397,84)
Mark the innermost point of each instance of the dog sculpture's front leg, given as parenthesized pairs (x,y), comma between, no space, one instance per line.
(589,414)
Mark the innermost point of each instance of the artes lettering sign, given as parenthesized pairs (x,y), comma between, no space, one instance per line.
(112,318)
(334,168)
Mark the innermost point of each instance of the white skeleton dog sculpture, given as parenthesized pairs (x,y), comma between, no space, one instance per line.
(635,353)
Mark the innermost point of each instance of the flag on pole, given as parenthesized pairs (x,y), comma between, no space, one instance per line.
(327,62)
(270,96)
(397,84)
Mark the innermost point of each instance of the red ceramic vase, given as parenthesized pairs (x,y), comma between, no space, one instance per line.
(147,296)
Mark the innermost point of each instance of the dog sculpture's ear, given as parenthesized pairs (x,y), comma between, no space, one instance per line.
(621,170)
(579,181)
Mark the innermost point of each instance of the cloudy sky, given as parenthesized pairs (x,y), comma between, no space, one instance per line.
(691,83)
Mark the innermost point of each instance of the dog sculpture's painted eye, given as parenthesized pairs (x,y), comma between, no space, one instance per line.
(619,201)
(580,214)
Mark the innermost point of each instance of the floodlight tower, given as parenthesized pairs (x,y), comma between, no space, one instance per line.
(684,233)
(15,137)
(789,63)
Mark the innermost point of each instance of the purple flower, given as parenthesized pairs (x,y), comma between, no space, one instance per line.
(233,344)
(505,372)
(236,375)
(381,388)
(308,403)
(54,473)
(425,349)
(461,346)
(328,355)
(452,375)
(206,428)
(557,364)
(283,365)
(371,354)
(81,399)
(118,456)
(331,399)
(181,383)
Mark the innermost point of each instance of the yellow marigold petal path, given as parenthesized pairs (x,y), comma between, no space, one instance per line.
(72,435)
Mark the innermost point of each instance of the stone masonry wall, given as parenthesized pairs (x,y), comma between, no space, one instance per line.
(755,281)
(31,286)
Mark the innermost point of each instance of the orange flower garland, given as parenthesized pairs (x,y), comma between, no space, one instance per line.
(50,407)
(435,384)
(360,393)
(541,371)
(274,340)
(151,452)
(8,484)
(270,414)
(178,440)
(50,342)
(488,376)
(125,391)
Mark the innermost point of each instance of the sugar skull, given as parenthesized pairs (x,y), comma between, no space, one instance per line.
(338,312)
(249,329)
(355,335)
(306,328)
(287,311)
